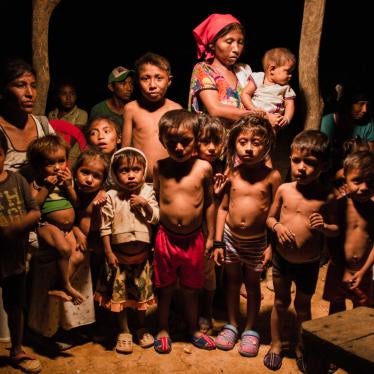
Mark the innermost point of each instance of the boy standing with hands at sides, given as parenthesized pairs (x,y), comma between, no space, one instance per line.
(349,274)
(18,213)
(269,91)
(141,116)
(241,226)
(183,184)
(300,216)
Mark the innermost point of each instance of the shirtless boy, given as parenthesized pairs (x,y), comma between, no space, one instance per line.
(299,216)
(183,184)
(349,274)
(140,126)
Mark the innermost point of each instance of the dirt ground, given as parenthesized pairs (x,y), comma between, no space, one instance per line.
(89,357)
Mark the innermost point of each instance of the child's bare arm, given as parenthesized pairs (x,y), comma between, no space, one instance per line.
(127,126)
(209,208)
(357,277)
(156,182)
(40,193)
(67,178)
(284,235)
(289,110)
(246,95)
(329,228)
(80,238)
(218,253)
(110,256)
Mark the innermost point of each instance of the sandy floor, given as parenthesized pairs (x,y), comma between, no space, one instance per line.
(92,357)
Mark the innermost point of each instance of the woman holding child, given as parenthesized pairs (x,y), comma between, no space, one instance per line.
(218,78)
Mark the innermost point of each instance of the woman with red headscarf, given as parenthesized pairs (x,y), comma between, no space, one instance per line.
(218,79)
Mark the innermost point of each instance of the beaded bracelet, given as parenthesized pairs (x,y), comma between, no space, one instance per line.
(218,244)
(276,223)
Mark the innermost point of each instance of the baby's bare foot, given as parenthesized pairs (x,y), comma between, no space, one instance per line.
(76,296)
(61,294)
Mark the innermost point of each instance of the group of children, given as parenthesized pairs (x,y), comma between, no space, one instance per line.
(172,196)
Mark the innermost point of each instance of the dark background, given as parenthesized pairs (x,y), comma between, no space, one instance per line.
(87,39)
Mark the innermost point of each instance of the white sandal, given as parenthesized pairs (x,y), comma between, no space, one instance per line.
(124,343)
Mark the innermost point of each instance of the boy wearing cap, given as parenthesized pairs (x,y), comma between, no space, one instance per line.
(121,85)
(141,116)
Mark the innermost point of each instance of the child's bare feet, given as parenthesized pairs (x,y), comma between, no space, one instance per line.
(61,294)
(77,297)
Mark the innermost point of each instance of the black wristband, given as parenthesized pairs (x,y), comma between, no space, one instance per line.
(218,244)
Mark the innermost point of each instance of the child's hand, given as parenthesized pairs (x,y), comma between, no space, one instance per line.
(352,279)
(81,241)
(316,222)
(285,236)
(65,177)
(218,256)
(112,260)
(219,182)
(267,256)
(209,247)
(283,122)
(100,198)
(137,202)
(51,181)
(274,119)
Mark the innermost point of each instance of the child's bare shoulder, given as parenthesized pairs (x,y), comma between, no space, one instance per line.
(203,165)
(170,104)
(132,105)
(286,188)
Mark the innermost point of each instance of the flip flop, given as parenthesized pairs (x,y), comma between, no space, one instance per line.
(249,343)
(145,339)
(163,344)
(25,362)
(203,342)
(273,361)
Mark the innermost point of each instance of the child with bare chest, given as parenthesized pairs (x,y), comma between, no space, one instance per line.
(241,226)
(299,216)
(349,274)
(141,116)
(183,184)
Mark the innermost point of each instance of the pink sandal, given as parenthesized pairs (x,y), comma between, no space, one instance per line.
(227,338)
(249,343)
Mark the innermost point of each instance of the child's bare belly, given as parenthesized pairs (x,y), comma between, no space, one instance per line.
(63,219)
(181,224)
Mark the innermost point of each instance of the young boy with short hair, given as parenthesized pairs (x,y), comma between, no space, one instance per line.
(300,216)
(349,274)
(183,184)
(141,116)
(18,213)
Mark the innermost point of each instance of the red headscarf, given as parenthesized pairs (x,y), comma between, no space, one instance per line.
(208,29)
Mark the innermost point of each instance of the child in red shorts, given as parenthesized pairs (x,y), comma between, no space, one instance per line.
(183,184)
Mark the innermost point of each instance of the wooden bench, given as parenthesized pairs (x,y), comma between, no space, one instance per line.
(345,339)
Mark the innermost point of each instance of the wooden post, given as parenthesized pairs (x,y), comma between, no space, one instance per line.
(41,14)
(311,30)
